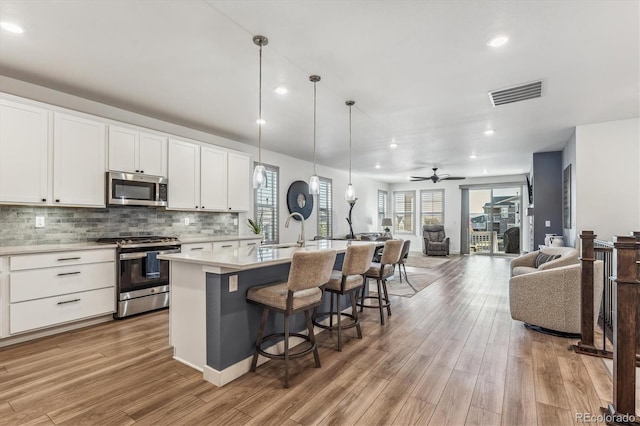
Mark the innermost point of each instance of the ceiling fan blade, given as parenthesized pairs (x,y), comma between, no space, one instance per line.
(452,178)
(418,178)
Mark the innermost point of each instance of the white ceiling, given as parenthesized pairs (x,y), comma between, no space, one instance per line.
(419,72)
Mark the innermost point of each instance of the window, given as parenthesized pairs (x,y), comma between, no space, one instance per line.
(432,207)
(383,206)
(325,212)
(266,204)
(404,210)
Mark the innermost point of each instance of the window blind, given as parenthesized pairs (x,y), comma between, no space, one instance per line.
(404,209)
(325,211)
(432,207)
(266,204)
(382,206)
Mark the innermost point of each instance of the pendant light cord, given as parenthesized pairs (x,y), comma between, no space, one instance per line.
(349,144)
(315,104)
(260,111)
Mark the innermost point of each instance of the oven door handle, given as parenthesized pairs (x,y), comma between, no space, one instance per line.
(140,255)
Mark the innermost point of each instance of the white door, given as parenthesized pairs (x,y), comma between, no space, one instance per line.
(213,179)
(79,166)
(23,153)
(238,182)
(123,145)
(184,174)
(153,154)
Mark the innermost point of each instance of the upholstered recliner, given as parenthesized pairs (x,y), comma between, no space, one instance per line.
(549,299)
(527,263)
(436,243)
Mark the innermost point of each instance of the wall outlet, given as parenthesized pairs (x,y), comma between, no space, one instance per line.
(39,221)
(547,223)
(186,221)
(233,283)
(235,221)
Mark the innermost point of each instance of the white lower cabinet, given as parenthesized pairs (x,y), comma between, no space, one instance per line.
(49,289)
(32,314)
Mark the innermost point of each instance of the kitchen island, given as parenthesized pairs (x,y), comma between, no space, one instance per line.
(211,326)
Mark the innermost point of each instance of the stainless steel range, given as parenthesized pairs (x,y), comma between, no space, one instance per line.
(143,279)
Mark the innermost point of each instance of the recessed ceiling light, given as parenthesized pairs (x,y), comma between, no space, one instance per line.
(377,166)
(281,90)
(489,132)
(485,171)
(498,41)
(261,121)
(473,156)
(11,27)
(393,145)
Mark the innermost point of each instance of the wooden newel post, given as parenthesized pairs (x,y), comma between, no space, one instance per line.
(586,284)
(624,327)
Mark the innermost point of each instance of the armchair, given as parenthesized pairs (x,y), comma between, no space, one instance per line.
(549,300)
(435,241)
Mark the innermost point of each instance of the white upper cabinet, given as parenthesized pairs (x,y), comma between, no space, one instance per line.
(184,175)
(24,150)
(238,182)
(79,165)
(213,179)
(219,180)
(137,152)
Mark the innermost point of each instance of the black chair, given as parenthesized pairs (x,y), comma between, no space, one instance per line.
(436,243)
(512,240)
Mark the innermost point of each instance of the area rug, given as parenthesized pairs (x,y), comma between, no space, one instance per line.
(419,260)
(419,279)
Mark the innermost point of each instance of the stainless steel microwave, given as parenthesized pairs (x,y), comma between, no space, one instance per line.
(135,189)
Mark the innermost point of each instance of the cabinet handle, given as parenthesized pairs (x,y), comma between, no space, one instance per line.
(137,171)
(69,258)
(68,273)
(251,244)
(202,207)
(44,200)
(141,171)
(196,207)
(230,245)
(197,248)
(69,301)
(57,200)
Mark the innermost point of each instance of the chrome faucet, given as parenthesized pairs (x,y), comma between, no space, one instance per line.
(301,238)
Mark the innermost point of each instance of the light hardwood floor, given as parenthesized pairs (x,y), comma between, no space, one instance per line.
(449,355)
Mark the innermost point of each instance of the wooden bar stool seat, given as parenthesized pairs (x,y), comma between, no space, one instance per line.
(380,272)
(348,281)
(301,293)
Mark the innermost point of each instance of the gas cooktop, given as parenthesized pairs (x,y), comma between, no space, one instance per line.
(140,241)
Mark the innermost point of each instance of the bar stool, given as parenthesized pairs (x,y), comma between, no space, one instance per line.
(348,281)
(404,254)
(301,292)
(381,271)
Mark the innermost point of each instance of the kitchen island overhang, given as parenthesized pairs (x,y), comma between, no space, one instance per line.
(212,327)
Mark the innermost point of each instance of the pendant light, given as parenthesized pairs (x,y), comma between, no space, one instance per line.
(350,193)
(259,173)
(314,181)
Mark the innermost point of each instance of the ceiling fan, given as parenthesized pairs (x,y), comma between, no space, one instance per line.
(435,178)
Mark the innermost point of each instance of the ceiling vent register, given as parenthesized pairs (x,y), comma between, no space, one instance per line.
(516,93)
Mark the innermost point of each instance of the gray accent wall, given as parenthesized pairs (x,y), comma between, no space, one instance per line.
(547,195)
(74,225)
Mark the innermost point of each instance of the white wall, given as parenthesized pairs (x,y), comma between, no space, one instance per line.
(452,205)
(608,178)
(291,169)
(569,158)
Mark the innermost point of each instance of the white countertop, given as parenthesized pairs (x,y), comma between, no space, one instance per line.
(243,258)
(189,240)
(45,248)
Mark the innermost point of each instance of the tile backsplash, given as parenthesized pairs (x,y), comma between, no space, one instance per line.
(73,225)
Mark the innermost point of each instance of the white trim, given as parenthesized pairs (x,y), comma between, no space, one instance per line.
(187,363)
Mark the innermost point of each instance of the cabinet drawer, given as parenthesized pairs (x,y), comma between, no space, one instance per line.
(62,258)
(39,313)
(249,243)
(47,282)
(225,244)
(195,247)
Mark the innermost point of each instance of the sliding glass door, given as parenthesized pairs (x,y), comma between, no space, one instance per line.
(493,220)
